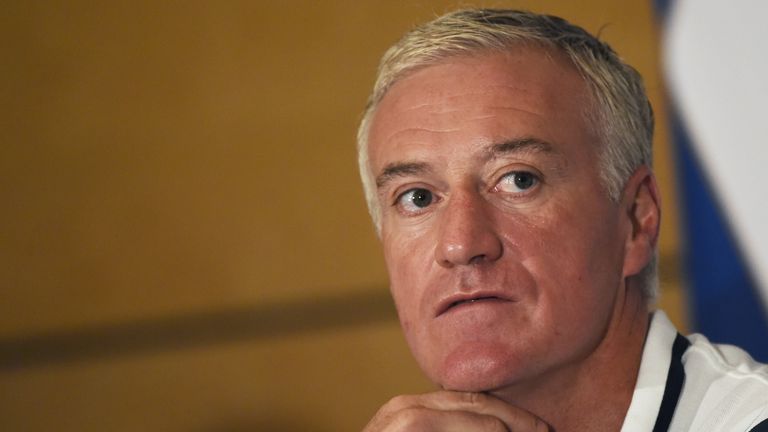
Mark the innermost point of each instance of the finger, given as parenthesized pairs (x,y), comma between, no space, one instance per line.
(514,418)
(407,407)
(422,419)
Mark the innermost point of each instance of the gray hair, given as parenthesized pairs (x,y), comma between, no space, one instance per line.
(622,115)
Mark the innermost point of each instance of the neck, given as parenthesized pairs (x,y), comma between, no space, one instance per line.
(594,393)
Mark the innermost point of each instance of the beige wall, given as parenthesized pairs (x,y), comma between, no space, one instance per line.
(183,239)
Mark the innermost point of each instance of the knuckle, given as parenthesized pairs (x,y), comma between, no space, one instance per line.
(473,399)
(411,418)
(399,402)
(492,424)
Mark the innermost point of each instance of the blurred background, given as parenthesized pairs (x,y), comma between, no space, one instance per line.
(184,244)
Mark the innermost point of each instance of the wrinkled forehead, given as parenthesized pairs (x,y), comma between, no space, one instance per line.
(534,85)
(398,69)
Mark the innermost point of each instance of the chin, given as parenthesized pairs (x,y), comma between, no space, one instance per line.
(478,368)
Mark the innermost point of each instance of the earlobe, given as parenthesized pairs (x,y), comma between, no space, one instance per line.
(642,204)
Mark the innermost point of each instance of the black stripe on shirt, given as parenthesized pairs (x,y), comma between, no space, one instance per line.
(761,427)
(675,380)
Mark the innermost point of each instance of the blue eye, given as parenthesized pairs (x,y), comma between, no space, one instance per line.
(518,181)
(414,200)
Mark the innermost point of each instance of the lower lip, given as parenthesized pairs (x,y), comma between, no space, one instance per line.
(491,302)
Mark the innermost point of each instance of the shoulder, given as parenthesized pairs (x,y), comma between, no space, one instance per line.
(725,367)
(724,385)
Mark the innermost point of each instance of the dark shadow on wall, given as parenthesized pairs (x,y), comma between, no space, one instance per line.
(276,423)
(247,323)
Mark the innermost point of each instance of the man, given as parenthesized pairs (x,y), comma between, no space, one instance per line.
(506,158)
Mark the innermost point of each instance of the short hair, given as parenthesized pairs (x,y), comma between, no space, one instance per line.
(620,111)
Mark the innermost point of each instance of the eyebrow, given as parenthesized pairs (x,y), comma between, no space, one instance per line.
(400,169)
(520,145)
(516,145)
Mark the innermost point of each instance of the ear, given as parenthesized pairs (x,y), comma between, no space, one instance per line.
(642,206)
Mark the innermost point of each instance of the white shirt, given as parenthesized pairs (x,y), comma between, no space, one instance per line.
(689,384)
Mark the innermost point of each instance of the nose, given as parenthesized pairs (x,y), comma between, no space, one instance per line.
(466,234)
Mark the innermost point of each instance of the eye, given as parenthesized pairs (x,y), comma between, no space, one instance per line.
(517,182)
(414,200)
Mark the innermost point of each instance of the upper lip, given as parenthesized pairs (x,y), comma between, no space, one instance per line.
(454,299)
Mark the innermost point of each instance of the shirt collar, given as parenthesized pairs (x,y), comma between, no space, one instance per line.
(652,379)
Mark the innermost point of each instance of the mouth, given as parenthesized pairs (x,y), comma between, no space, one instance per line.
(454,302)
(472,300)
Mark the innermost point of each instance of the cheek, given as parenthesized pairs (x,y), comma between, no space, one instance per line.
(573,238)
(409,266)
(576,257)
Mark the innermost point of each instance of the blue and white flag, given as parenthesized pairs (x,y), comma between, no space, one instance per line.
(716,66)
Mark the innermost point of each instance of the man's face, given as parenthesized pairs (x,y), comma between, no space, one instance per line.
(505,254)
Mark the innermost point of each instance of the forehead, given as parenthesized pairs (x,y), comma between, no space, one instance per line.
(482,99)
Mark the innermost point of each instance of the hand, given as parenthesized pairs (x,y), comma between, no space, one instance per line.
(446,411)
